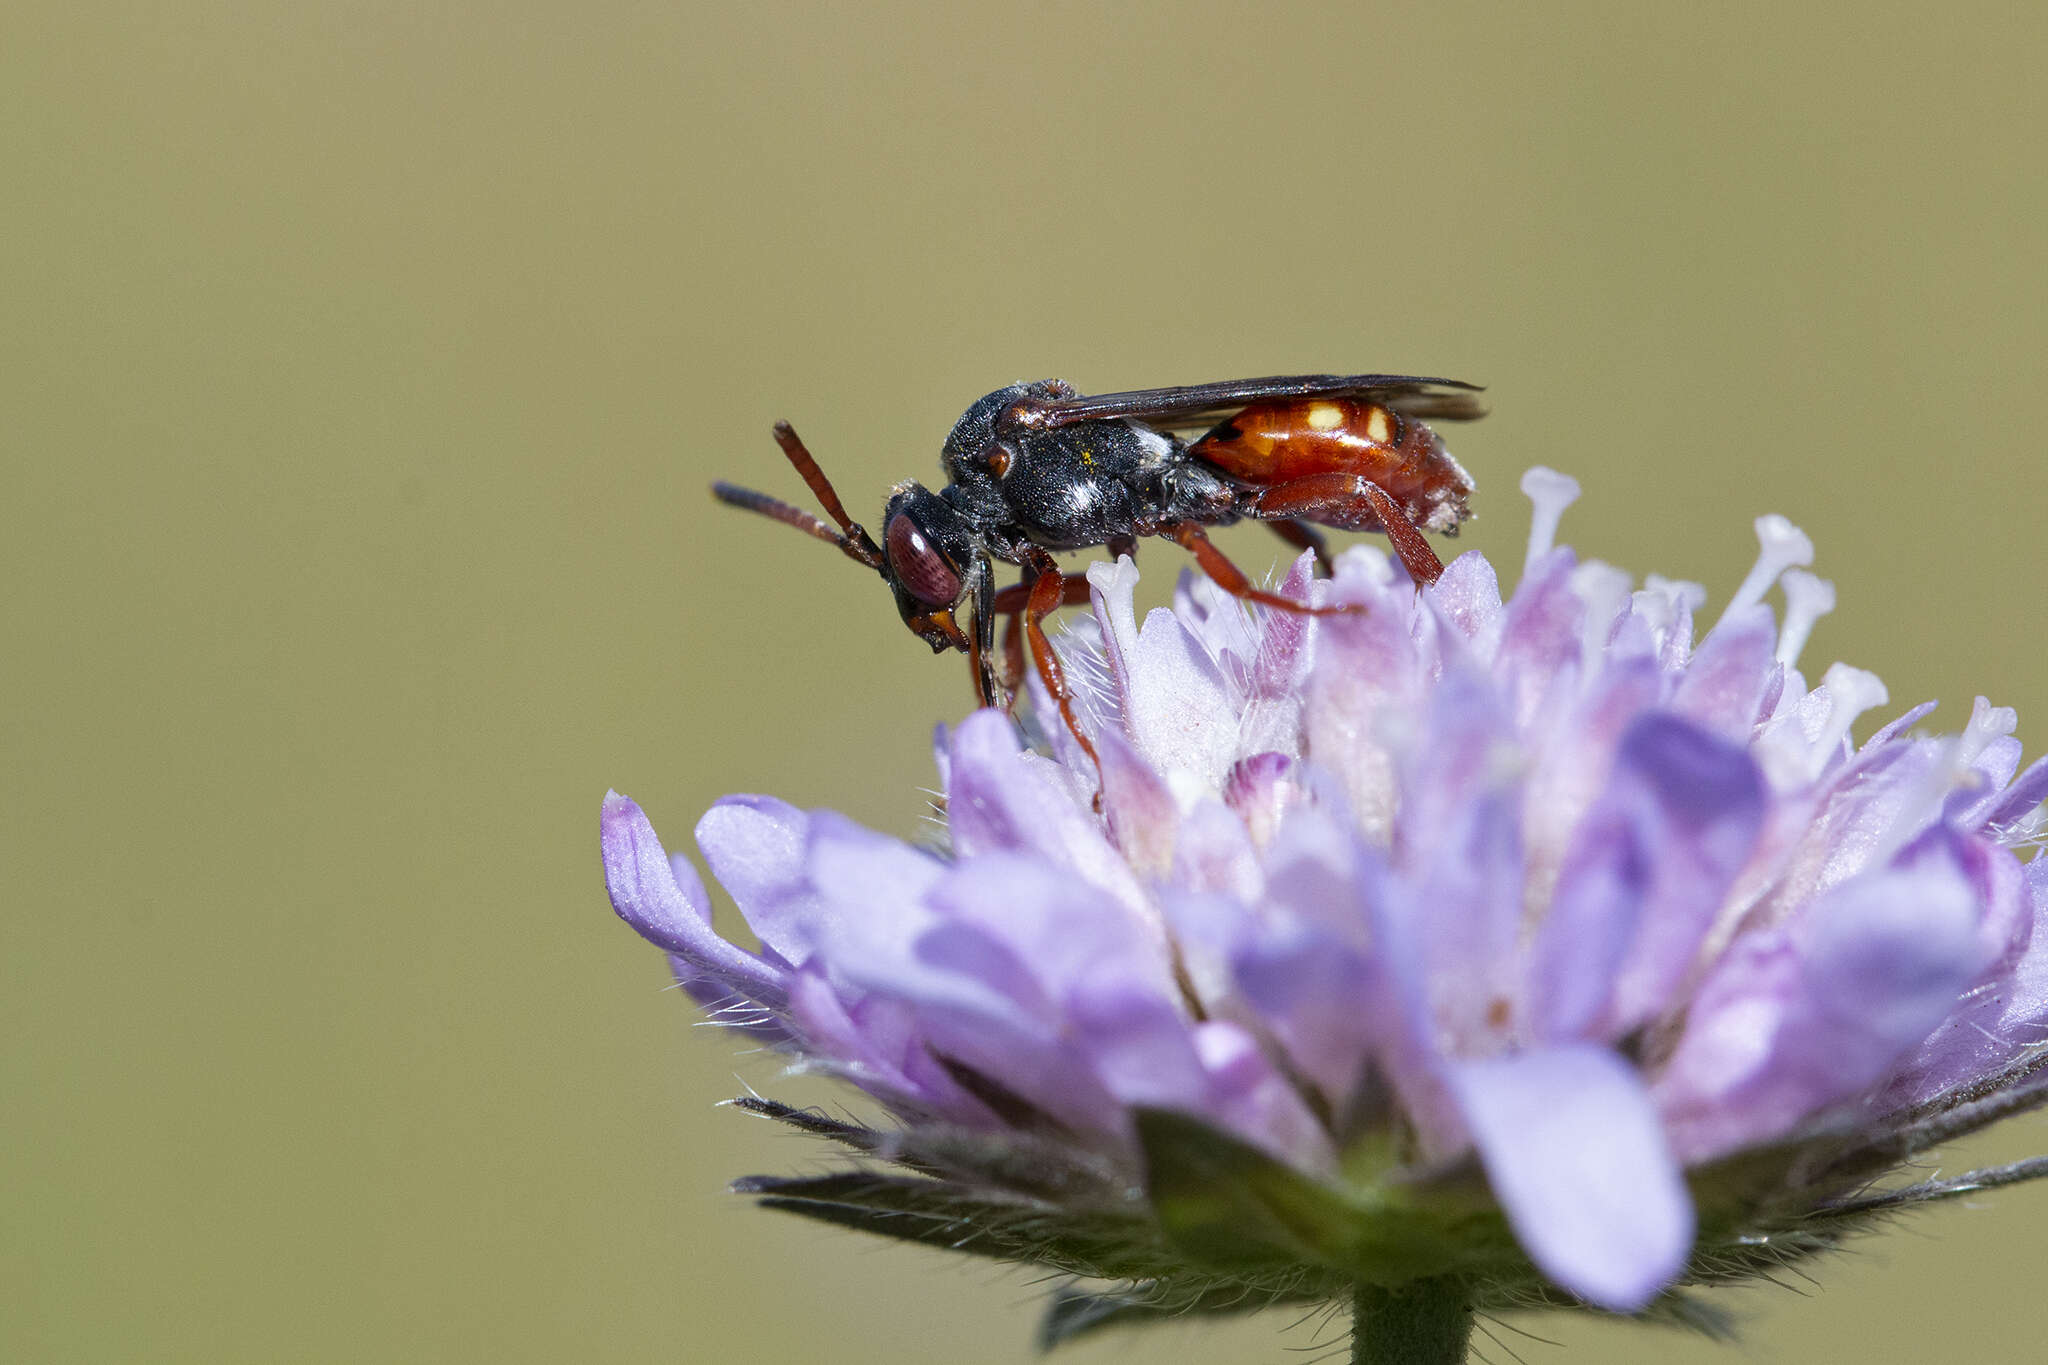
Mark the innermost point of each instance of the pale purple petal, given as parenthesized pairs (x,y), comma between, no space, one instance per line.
(860,888)
(1110,592)
(1467,597)
(1210,930)
(1139,1047)
(1137,806)
(1996,881)
(1004,799)
(1368,674)
(875,1045)
(1899,725)
(1178,707)
(1312,874)
(1458,755)
(1652,863)
(878,932)
(1217,622)
(1574,1153)
(1679,601)
(1096,709)
(1794,1020)
(1465,919)
(971,999)
(854,870)
(1634,636)
(1095,974)
(1723,686)
(2017,801)
(1588,933)
(1333,968)
(939,966)
(1315,994)
(1176,704)
(1876,803)
(1285,637)
(1215,852)
(1984,788)
(756,846)
(1068,930)
(1539,646)
(672,915)
(942,757)
(1260,790)
(1999,1023)
(1573,736)
(1892,951)
(1406,1044)
(1253,1100)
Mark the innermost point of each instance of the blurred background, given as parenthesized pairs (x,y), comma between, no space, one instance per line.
(363,367)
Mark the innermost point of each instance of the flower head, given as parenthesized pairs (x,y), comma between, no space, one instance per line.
(1554,948)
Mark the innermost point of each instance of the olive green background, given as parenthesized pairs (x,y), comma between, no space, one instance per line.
(362,367)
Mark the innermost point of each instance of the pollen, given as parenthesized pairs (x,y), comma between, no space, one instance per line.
(1326,417)
(1379,426)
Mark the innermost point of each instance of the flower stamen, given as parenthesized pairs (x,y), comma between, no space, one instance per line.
(1781,545)
(1550,492)
(1807,599)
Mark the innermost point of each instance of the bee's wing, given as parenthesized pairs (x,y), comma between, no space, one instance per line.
(1200,405)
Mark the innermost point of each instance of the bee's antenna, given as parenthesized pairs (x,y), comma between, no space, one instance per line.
(735,496)
(821,487)
(852,539)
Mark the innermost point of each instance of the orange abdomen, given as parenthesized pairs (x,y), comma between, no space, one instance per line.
(1275,443)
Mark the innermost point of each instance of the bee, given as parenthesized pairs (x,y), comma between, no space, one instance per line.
(1036,468)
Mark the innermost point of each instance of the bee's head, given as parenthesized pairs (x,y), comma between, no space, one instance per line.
(929,556)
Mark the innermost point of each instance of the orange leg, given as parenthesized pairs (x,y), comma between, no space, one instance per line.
(1348,500)
(1010,603)
(1048,594)
(1232,580)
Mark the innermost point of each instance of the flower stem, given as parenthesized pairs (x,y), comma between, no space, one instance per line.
(1426,1323)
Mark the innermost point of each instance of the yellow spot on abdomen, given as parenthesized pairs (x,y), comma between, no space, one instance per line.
(1326,417)
(1379,426)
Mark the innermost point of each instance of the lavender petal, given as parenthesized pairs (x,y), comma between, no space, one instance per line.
(1575,1154)
(673,915)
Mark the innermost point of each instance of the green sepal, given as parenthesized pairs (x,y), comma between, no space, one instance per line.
(1232,1208)
(973,1161)
(1096,1244)
(1075,1313)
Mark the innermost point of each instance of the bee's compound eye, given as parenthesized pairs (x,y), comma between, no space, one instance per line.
(918,566)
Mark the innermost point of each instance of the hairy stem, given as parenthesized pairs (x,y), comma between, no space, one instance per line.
(1426,1323)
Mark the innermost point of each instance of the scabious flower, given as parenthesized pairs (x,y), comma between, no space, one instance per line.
(1451,954)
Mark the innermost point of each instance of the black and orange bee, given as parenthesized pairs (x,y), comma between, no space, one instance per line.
(1035,468)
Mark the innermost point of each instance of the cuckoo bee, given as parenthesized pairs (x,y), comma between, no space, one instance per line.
(1036,468)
